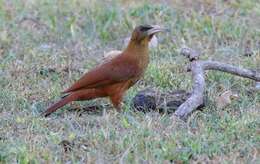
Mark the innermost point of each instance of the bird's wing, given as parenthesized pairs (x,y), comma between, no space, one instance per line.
(117,70)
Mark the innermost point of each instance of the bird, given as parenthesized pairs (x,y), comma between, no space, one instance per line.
(114,76)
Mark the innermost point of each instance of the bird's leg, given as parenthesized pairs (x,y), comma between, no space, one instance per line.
(116,101)
(118,107)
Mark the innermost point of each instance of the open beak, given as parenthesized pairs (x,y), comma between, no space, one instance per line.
(155,29)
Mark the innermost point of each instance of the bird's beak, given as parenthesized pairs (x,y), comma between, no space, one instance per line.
(155,29)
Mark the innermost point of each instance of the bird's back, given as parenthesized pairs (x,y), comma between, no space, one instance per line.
(120,68)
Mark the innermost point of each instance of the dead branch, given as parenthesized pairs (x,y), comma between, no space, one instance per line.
(196,98)
(246,73)
(197,69)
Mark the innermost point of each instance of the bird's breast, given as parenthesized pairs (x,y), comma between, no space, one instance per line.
(138,59)
(143,62)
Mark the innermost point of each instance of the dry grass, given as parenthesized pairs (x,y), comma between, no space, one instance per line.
(46,45)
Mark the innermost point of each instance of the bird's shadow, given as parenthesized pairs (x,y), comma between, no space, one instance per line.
(97,110)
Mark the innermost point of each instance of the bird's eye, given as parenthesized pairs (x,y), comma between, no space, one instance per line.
(145,28)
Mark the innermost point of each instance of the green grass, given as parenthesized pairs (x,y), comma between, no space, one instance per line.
(46,45)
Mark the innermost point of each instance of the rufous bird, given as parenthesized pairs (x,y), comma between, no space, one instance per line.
(116,75)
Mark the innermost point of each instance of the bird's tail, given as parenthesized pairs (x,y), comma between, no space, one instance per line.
(86,94)
(61,103)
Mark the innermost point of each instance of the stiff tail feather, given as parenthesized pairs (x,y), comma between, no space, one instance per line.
(61,103)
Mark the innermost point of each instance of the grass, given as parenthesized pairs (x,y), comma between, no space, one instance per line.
(46,45)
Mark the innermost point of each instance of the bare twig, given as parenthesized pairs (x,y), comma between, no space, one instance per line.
(198,69)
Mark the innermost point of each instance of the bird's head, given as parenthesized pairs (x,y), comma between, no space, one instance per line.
(143,34)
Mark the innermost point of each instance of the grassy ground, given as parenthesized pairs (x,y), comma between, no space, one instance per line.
(46,45)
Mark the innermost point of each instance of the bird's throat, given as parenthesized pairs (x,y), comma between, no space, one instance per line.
(138,52)
(139,48)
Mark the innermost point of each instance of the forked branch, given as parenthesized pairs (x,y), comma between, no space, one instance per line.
(197,69)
